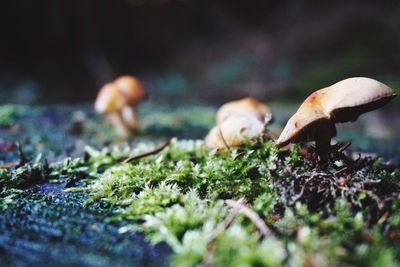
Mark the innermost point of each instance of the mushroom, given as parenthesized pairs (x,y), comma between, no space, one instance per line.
(134,92)
(234,131)
(110,100)
(119,99)
(342,102)
(245,105)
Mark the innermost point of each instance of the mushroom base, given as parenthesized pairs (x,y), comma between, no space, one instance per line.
(323,142)
(119,124)
(130,117)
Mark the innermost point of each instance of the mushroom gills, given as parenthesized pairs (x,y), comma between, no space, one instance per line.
(349,114)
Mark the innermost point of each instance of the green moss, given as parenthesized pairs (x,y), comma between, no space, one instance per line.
(13,181)
(177,197)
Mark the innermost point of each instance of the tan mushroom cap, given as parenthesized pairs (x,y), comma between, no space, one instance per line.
(246,105)
(109,99)
(234,131)
(131,87)
(342,102)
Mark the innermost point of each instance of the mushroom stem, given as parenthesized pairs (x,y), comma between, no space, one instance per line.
(322,150)
(323,143)
(130,115)
(119,124)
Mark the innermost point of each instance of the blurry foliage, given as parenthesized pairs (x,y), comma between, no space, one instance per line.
(184,120)
(10,113)
(28,173)
(324,73)
(231,71)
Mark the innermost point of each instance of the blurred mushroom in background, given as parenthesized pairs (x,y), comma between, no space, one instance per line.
(247,105)
(119,100)
(238,122)
(234,131)
(134,93)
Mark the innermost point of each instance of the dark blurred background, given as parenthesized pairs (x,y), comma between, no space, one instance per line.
(194,50)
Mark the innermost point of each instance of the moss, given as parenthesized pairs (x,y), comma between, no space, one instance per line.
(347,214)
(177,197)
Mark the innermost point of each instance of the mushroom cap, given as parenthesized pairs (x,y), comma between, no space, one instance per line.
(244,105)
(131,87)
(109,99)
(302,126)
(234,131)
(348,99)
(342,102)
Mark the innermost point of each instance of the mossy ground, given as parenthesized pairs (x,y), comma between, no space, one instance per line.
(83,206)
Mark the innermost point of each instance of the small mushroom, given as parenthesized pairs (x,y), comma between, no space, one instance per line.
(245,105)
(134,92)
(234,131)
(342,102)
(120,99)
(111,101)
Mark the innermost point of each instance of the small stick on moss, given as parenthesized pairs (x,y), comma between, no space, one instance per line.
(9,165)
(223,140)
(229,219)
(208,257)
(152,152)
(238,155)
(253,216)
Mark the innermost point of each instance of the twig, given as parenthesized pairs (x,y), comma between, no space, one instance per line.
(370,194)
(383,218)
(302,190)
(344,146)
(228,220)
(239,155)
(152,152)
(208,257)
(341,170)
(223,139)
(253,216)
(9,165)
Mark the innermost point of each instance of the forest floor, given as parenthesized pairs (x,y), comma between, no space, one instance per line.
(66,197)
